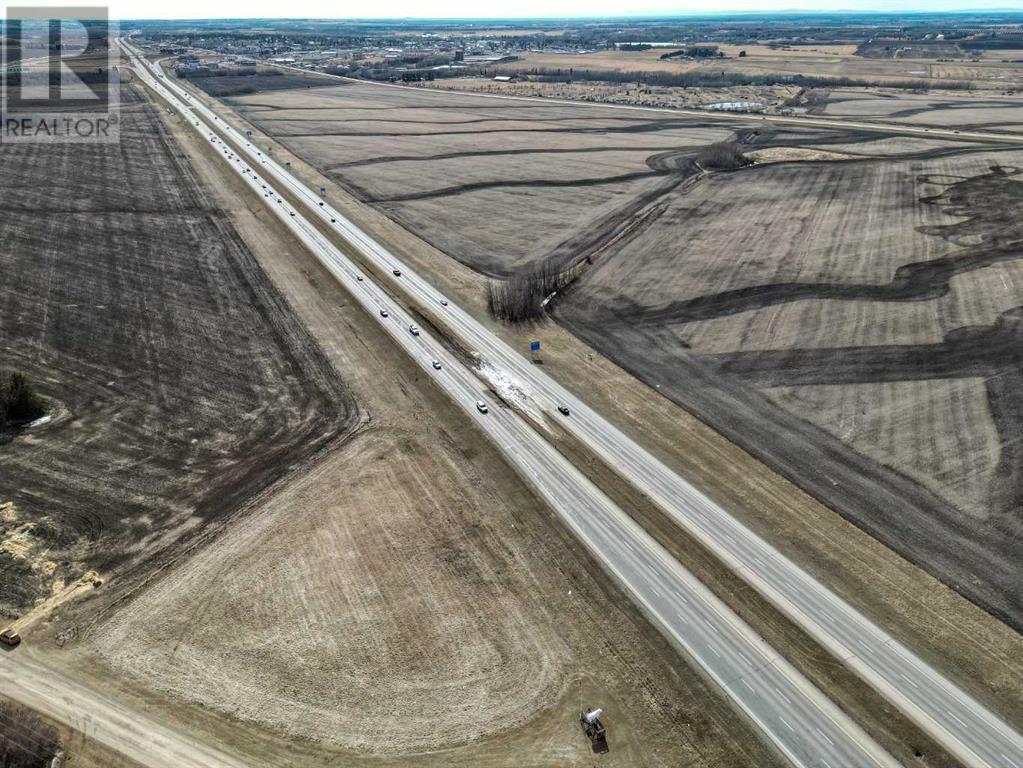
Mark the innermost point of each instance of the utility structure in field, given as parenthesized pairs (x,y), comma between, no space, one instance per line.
(594,729)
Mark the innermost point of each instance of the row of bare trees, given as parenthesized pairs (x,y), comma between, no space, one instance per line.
(723,156)
(521,297)
(724,78)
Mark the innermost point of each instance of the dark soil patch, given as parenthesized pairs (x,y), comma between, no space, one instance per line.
(190,384)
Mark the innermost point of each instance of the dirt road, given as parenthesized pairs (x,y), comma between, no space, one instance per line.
(121,728)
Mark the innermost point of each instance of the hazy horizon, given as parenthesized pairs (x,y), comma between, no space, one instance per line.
(207,10)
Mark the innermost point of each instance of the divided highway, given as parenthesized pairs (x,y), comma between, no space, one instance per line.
(977,736)
(801,722)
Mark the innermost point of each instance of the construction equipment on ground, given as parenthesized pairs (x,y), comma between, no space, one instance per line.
(594,729)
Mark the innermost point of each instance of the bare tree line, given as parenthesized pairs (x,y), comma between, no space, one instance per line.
(521,297)
(723,156)
(705,78)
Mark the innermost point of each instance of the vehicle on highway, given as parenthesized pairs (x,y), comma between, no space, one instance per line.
(10,637)
(333,221)
(359,278)
(443,302)
(397,272)
(481,406)
(436,364)
(563,409)
(383,313)
(414,330)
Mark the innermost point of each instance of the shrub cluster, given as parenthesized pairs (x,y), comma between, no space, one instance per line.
(19,402)
(520,298)
(694,52)
(723,156)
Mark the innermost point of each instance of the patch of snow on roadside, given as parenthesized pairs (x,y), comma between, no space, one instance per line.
(514,392)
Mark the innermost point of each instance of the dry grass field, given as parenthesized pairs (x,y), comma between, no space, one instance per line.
(600,92)
(856,332)
(991,73)
(435,164)
(956,111)
(817,310)
(651,61)
(984,75)
(222,85)
(181,383)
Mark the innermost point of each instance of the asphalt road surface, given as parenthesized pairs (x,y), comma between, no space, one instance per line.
(977,736)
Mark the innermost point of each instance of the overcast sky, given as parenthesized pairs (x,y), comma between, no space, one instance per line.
(185,9)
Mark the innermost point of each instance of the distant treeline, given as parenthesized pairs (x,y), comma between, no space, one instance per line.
(705,79)
(993,43)
(382,72)
(694,52)
(237,72)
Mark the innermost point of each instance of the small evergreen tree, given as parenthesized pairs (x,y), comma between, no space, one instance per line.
(18,400)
